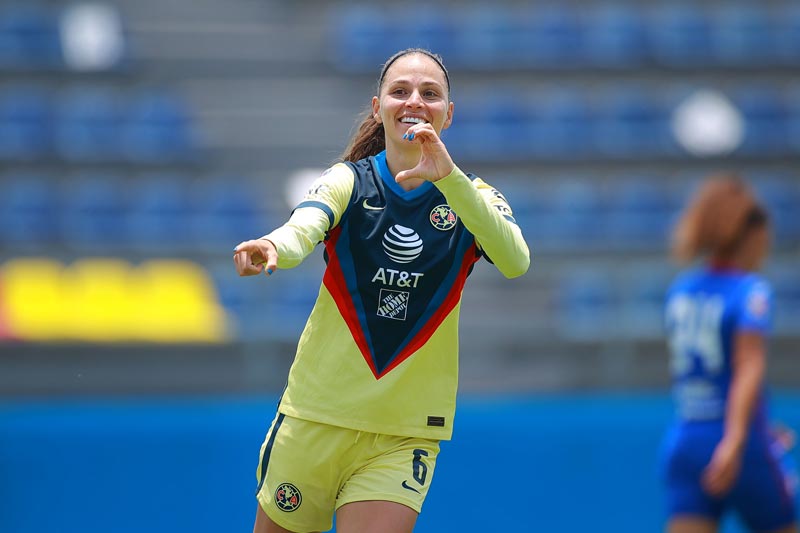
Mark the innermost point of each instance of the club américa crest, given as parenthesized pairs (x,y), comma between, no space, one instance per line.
(288,497)
(443,218)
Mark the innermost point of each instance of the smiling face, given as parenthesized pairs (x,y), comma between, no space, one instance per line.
(414,90)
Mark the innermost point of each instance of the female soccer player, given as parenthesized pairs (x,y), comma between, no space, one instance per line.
(721,454)
(372,388)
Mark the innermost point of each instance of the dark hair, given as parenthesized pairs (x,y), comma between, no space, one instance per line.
(369,137)
(719,221)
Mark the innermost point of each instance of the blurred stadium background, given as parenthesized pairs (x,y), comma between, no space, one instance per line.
(141,140)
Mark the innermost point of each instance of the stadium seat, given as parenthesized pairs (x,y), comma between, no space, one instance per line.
(576,212)
(25,123)
(227,210)
(640,213)
(29,37)
(631,122)
(501,125)
(87,126)
(787,38)
(433,29)
(157,128)
(33,299)
(28,212)
(177,303)
(781,195)
(766,119)
(785,282)
(94,214)
(644,289)
(160,213)
(358,34)
(97,291)
(563,124)
(615,37)
(553,36)
(681,35)
(588,306)
(489,38)
(743,35)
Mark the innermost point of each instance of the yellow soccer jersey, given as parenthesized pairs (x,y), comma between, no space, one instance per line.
(379,352)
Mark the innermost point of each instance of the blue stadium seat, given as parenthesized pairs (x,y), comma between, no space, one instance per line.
(160,214)
(359,37)
(157,128)
(489,38)
(87,125)
(644,291)
(94,214)
(573,221)
(785,280)
(491,127)
(588,305)
(563,124)
(554,36)
(29,37)
(616,36)
(433,29)
(681,35)
(632,122)
(228,210)
(641,212)
(781,195)
(28,212)
(793,111)
(25,123)
(787,38)
(766,118)
(743,34)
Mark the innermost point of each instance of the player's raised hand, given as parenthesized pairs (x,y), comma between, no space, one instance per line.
(434,163)
(255,256)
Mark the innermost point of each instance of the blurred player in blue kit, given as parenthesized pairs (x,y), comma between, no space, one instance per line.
(721,454)
(372,388)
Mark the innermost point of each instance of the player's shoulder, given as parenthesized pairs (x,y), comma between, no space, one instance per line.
(755,283)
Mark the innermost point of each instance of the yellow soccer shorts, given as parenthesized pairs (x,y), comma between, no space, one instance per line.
(307,470)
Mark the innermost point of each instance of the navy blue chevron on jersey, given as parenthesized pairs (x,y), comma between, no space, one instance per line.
(397,263)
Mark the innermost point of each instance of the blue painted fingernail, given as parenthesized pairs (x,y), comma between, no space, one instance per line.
(269,271)
(405,136)
(411,138)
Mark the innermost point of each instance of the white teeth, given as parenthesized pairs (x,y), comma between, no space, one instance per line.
(412,120)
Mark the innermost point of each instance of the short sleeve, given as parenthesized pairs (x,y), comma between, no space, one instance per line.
(756,308)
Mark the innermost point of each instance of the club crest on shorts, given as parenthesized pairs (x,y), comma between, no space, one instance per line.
(443,218)
(288,497)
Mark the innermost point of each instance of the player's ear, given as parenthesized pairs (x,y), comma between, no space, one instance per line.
(376,109)
(449,119)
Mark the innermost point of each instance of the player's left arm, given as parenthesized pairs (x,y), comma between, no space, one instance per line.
(487,215)
(749,365)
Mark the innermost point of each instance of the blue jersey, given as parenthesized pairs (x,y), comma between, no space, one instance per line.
(705,310)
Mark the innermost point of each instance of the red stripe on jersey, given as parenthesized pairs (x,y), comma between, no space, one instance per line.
(334,281)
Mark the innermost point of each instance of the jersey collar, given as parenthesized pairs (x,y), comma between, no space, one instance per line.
(388,180)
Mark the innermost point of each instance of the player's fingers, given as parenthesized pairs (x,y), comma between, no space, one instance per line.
(244,264)
(271,260)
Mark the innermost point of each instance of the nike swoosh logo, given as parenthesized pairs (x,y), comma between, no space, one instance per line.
(367,206)
(407,486)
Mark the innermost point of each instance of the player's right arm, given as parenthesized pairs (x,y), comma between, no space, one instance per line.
(286,247)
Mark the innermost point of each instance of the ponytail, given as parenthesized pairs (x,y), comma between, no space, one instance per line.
(368,140)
